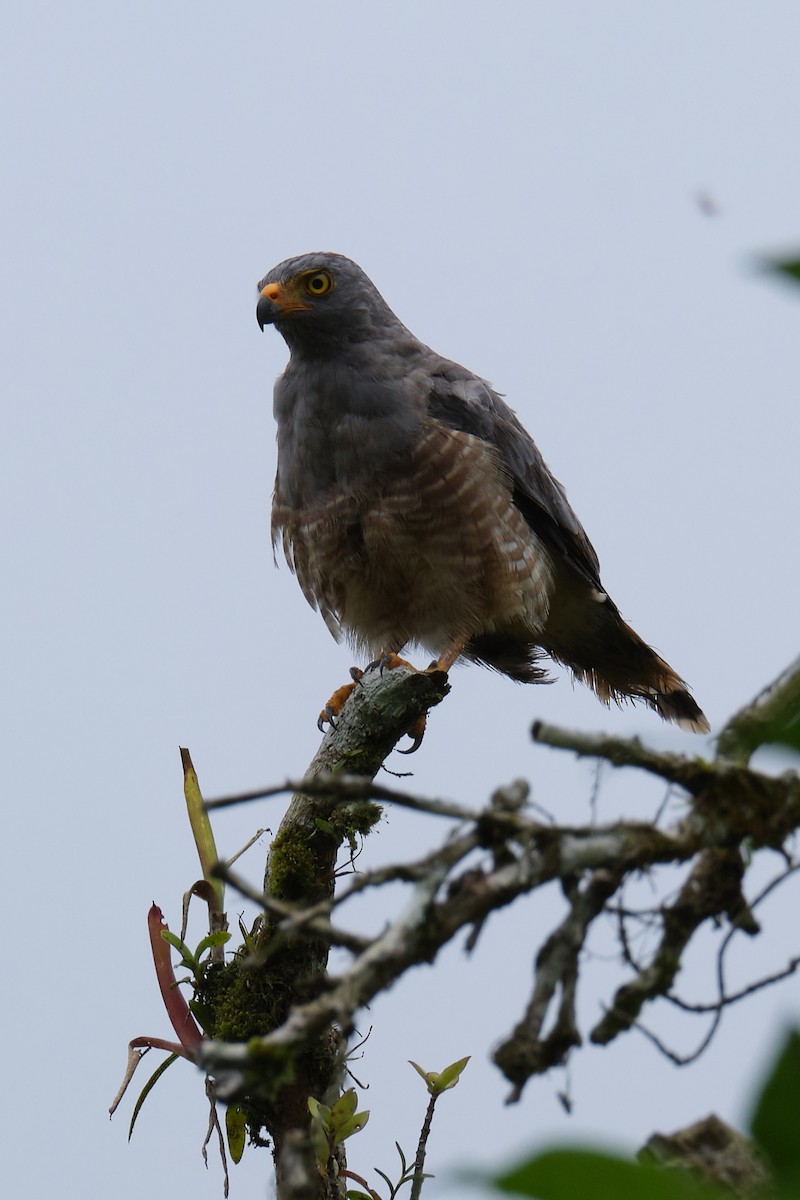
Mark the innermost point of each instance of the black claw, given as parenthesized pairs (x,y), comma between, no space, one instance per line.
(415,745)
(381,664)
(326,715)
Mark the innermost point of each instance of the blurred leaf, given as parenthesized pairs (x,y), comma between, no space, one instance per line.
(320,1130)
(773,717)
(326,827)
(319,1112)
(235,1127)
(788,268)
(776,1120)
(589,1175)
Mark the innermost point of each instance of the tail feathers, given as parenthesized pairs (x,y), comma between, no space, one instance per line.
(619,666)
(602,652)
(592,639)
(678,706)
(662,690)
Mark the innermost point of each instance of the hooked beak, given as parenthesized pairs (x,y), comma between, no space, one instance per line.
(276,302)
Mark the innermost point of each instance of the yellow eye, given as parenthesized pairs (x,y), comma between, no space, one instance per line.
(319,283)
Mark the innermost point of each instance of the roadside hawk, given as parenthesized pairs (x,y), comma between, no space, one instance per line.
(414,507)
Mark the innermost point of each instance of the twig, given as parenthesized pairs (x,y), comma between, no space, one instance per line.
(339,788)
(418,1177)
(734,997)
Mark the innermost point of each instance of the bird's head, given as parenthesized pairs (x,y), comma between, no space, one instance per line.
(318,298)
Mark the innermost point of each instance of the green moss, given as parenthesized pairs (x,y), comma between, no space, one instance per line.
(247,1000)
(243,1002)
(292,865)
(350,821)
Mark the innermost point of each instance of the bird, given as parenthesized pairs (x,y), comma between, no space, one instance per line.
(415,509)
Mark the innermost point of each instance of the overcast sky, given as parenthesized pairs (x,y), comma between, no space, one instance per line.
(571,199)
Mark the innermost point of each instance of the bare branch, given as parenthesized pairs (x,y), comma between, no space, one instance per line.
(713,887)
(528,854)
(525,1052)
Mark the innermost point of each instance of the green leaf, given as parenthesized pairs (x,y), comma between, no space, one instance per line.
(326,827)
(776,1121)
(148,1087)
(235,1127)
(590,1175)
(450,1076)
(175,942)
(354,1125)
(203,1014)
(385,1179)
(344,1121)
(440,1081)
(188,960)
(430,1077)
(319,1112)
(212,939)
(201,828)
(344,1107)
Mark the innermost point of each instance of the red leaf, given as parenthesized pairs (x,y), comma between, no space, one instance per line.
(178,1010)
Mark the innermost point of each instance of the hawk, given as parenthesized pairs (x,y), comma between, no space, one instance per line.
(414,508)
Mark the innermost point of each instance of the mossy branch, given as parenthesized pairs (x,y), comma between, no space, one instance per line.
(287,953)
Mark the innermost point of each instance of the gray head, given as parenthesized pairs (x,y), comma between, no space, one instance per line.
(323,301)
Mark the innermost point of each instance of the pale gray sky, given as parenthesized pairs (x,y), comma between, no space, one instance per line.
(521,181)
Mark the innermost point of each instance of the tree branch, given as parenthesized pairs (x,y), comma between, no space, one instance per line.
(496,854)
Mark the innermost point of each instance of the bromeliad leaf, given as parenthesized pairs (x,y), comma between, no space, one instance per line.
(178,1011)
(148,1087)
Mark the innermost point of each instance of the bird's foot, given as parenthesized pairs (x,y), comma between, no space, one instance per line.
(334,706)
(416,733)
(338,700)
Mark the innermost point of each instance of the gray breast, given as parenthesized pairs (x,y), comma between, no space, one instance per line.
(340,433)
